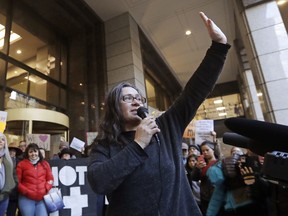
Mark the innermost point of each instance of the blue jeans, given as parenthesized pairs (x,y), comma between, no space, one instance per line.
(3,206)
(29,207)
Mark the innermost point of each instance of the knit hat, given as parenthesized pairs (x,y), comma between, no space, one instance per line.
(63,145)
(184,146)
(210,144)
(194,146)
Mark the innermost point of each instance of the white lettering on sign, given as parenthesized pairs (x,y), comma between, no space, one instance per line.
(76,201)
(67,175)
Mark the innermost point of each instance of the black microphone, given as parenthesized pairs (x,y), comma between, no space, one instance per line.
(235,139)
(142,112)
(262,136)
(238,140)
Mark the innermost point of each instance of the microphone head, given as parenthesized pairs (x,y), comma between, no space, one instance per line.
(235,139)
(264,136)
(142,112)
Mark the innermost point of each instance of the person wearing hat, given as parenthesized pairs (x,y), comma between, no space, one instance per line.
(184,152)
(62,145)
(14,152)
(193,149)
(65,154)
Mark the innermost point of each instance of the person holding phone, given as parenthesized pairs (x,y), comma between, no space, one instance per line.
(209,158)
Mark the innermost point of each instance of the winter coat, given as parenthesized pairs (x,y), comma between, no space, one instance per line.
(33,179)
(10,179)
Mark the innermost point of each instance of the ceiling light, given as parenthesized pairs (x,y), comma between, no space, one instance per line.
(222,114)
(259,94)
(281,2)
(13,36)
(13,95)
(188,32)
(19,51)
(220,108)
(218,101)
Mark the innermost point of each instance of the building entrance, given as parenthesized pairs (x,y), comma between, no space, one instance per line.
(47,128)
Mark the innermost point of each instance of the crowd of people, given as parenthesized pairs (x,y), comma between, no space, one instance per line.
(227,185)
(139,163)
(26,176)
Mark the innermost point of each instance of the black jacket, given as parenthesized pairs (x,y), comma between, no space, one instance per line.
(152,181)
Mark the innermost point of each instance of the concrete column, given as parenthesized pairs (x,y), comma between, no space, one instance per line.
(265,39)
(250,89)
(124,59)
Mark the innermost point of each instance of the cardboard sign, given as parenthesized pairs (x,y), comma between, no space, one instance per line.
(3,119)
(42,140)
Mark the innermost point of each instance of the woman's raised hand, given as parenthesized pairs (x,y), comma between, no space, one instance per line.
(214,31)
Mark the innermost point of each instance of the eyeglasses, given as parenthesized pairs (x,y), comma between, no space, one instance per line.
(129,98)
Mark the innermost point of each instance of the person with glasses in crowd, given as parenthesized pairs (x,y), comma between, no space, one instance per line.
(22,147)
(140,175)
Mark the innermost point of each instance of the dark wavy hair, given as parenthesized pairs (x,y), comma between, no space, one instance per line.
(112,123)
(34,147)
(214,146)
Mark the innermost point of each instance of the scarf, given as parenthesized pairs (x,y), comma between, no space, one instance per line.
(204,170)
(34,162)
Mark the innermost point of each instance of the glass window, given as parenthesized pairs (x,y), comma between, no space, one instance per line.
(220,107)
(16,131)
(3,11)
(151,95)
(17,78)
(36,46)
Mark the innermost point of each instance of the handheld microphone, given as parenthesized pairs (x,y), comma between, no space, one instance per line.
(142,112)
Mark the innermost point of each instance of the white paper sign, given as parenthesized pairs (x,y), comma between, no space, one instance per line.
(90,136)
(203,129)
(77,144)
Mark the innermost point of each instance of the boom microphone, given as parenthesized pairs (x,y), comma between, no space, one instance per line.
(235,139)
(238,140)
(142,112)
(262,136)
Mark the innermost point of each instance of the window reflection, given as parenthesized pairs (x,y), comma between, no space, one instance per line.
(151,95)
(17,78)
(220,107)
(17,100)
(47,58)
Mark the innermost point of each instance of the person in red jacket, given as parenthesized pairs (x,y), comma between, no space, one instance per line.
(35,180)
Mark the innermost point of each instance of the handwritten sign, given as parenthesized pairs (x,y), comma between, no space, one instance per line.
(203,129)
(42,140)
